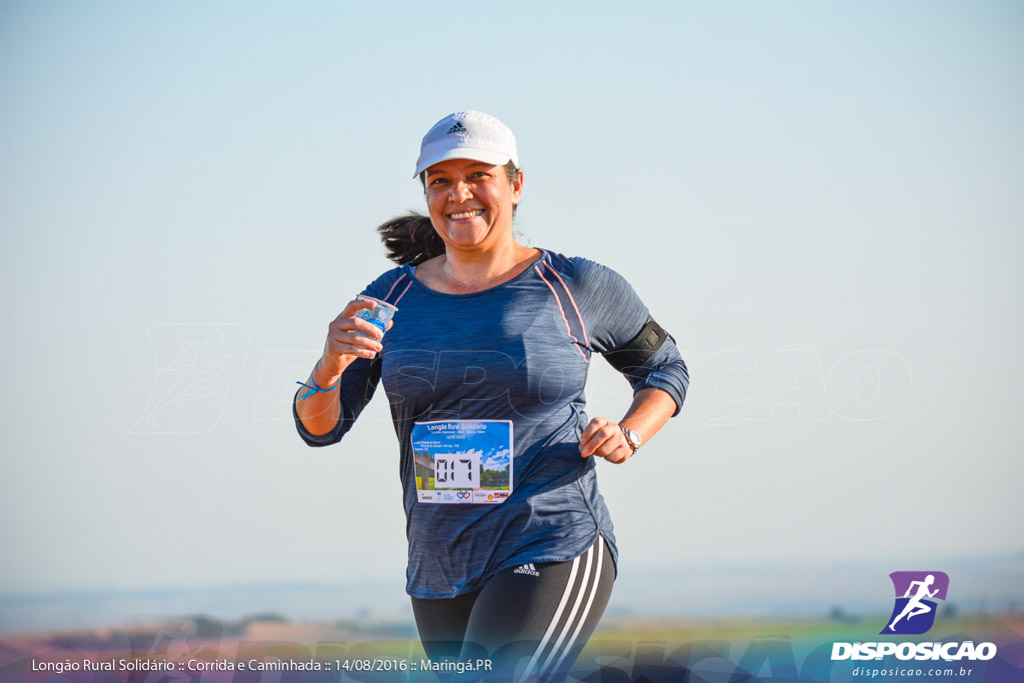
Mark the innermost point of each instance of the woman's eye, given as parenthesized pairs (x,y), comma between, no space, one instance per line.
(436,181)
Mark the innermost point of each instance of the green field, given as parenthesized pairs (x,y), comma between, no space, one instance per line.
(430,485)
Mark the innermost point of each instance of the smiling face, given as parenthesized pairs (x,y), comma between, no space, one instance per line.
(470,202)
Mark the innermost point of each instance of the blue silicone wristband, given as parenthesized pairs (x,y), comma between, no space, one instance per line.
(315,389)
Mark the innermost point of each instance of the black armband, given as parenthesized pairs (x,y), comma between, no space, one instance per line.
(640,348)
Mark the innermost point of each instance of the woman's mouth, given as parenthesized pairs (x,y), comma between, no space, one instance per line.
(463,215)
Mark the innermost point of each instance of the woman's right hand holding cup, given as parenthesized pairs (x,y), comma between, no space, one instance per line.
(348,338)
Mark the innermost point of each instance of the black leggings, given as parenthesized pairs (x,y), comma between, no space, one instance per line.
(530,621)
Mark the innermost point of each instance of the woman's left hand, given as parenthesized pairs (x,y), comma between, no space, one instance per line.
(605,439)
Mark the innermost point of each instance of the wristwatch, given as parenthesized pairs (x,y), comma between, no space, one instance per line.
(632,438)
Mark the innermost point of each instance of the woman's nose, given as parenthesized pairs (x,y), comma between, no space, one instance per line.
(460,192)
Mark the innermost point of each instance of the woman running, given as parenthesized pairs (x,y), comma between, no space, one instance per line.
(511,550)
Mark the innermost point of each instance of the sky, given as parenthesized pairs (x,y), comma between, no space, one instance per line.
(821,202)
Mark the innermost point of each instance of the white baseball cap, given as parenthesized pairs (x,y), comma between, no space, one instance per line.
(468,135)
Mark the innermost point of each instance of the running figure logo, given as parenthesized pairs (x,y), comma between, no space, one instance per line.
(195,364)
(913,612)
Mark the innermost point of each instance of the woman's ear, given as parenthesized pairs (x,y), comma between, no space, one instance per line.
(517,186)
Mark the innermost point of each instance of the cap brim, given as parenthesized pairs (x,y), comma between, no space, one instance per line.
(485,155)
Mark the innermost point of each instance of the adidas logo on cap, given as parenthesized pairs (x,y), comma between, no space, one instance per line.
(526,569)
(456,128)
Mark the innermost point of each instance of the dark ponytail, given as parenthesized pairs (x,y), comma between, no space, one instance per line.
(410,239)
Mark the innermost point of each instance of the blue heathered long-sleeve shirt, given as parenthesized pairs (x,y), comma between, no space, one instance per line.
(518,351)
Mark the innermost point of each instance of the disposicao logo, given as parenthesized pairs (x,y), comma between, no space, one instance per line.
(914,611)
(913,614)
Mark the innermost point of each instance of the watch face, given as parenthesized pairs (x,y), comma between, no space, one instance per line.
(632,437)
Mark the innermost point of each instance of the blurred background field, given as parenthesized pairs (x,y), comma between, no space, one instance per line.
(838,592)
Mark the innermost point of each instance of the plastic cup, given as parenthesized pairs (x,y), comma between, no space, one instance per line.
(380,315)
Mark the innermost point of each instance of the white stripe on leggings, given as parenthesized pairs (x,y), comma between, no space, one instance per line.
(590,601)
(572,614)
(554,619)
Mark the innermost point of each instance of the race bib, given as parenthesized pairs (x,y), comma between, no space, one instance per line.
(463,461)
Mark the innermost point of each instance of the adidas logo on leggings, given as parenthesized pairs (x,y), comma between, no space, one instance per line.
(526,569)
